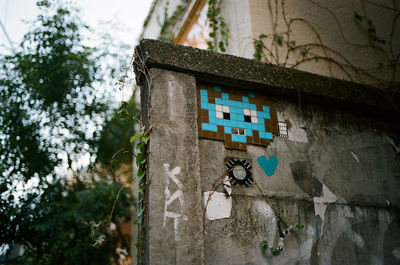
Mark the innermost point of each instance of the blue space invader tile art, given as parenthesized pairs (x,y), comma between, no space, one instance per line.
(238,117)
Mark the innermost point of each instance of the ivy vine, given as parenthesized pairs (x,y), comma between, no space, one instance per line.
(141,139)
(168,22)
(219,32)
(279,47)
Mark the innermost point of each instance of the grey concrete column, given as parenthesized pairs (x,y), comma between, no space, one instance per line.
(174,212)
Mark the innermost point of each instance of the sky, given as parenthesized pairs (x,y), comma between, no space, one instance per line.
(129,13)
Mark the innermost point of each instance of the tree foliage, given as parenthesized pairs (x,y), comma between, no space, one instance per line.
(49,103)
(51,113)
(62,225)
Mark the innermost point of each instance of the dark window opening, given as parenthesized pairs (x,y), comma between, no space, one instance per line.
(227,116)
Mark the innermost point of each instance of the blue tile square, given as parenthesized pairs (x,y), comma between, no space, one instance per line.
(211,107)
(220,122)
(251,94)
(204,105)
(241,124)
(253,107)
(226,102)
(268,135)
(254,126)
(218,101)
(248,125)
(266,109)
(203,92)
(240,117)
(217,88)
(213,127)
(262,134)
(211,113)
(225,96)
(249,132)
(227,130)
(234,124)
(227,123)
(245,99)
(267,115)
(204,99)
(246,105)
(242,138)
(205,126)
(212,121)
(235,138)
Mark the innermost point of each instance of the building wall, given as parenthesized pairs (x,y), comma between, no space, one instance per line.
(337,172)
(331,32)
(322,37)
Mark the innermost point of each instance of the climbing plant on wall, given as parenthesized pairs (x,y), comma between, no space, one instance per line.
(280,46)
(219,32)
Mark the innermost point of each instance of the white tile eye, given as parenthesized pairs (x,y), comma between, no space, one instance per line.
(225,109)
(254,119)
(218,107)
(219,115)
(253,113)
(246,112)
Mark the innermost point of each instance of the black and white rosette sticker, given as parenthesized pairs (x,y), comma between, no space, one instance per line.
(239,172)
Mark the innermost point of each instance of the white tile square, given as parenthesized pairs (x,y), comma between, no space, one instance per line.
(219,115)
(218,107)
(246,112)
(254,119)
(225,109)
(253,113)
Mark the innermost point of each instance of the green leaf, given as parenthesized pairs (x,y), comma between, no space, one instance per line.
(275,252)
(140,212)
(137,136)
(259,43)
(279,39)
(257,56)
(138,245)
(262,36)
(264,245)
(304,50)
(139,157)
(140,174)
(139,146)
(145,139)
(292,42)
(300,226)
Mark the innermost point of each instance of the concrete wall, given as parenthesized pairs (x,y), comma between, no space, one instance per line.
(338,172)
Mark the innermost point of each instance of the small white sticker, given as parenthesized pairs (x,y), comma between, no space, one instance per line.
(219,205)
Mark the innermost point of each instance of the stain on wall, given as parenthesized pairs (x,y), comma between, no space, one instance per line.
(237,117)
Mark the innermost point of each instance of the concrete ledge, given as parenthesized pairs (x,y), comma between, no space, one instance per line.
(239,72)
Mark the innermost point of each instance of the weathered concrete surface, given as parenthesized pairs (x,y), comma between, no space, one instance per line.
(249,74)
(346,157)
(174,201)
(338,174)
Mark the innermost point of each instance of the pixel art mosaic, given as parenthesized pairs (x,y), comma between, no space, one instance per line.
(237,117)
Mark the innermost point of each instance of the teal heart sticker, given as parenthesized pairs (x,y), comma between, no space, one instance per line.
(268,165)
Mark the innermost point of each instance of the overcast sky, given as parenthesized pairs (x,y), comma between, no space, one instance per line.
(130,13)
